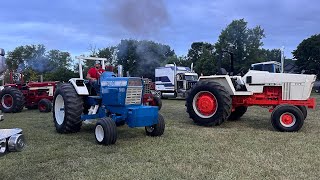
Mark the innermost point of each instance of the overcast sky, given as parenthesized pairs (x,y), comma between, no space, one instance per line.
(75,25)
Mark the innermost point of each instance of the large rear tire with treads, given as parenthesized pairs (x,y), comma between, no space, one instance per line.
(208,103)
(67,109)
(12,100)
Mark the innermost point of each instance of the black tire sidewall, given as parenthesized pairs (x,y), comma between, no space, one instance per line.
(304,111)
(17,106)
(157,102)
(295,111)
(60,128)
(47,104)
(109,128)
(215,93)
(158,128)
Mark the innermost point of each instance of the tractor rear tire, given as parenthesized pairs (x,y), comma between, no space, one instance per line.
(106,131)
(67,109)
(304,111)
(45,105)
(157,102)
(287,118)
(12,100)
(237,113)
(208,103)
(156,129)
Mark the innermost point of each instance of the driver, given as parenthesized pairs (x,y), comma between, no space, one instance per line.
(94,74)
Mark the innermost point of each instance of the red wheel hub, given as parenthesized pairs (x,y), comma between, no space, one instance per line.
(206,103)
(42,107)
(287,119)
(7,100)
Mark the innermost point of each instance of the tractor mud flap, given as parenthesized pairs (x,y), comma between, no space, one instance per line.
(140,116)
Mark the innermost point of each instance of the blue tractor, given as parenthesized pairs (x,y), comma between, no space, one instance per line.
(118,102)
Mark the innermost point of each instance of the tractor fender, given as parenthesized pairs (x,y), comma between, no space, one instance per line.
(79,86)
(223,80)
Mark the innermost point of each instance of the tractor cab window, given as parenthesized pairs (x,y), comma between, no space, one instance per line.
(191,77)
(268,67)
(257,67)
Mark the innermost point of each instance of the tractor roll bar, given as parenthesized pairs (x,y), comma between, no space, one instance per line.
(81,58)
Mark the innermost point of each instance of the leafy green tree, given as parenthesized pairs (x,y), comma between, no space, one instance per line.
(308,55)
(202,55)
(62,66)
(179,61)
(270,55)
(34,60)
(244,42)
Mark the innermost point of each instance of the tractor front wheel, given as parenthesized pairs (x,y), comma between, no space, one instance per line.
(208,103)
(44,105)
(106,131)
(12,100)
(157,102)
(287,118)
(67,109)
(156,129)
(3,146)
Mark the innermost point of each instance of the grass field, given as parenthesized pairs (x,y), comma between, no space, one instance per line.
(246,149)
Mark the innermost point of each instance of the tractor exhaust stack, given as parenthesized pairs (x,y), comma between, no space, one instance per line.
(120,71)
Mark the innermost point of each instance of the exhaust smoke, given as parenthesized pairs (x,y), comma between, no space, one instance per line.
(139,17)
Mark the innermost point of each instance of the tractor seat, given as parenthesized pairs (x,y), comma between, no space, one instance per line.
(238,83)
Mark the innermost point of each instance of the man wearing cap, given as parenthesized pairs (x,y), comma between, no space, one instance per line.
(94,74)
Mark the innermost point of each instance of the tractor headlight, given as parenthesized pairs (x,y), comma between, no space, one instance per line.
(16,142)
(3,145)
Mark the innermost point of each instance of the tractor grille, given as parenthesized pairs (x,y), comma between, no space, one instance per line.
(134,95)
(147,86)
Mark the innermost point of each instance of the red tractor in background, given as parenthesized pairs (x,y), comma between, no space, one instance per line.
(16,95)
(148,97)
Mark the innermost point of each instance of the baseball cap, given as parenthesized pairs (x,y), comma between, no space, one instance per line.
(97,62)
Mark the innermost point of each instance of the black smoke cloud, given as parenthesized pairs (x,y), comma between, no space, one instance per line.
(139,17)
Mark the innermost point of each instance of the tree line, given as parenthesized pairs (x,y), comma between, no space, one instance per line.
(140,58)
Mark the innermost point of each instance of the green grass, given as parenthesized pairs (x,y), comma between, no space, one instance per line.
(246,149)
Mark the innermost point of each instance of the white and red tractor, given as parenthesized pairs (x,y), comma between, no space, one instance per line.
(217,98)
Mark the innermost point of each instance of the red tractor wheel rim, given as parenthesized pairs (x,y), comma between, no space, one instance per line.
(205,104)
(7,101)
(287,119)
(42,107)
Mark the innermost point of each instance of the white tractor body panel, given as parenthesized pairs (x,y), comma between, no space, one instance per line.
(224,80)
(294,86)
(81,90)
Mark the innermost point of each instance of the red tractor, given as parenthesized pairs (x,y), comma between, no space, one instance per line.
(16,95)
(148,98)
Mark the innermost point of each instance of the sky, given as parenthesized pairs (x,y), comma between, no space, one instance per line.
(78,25)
